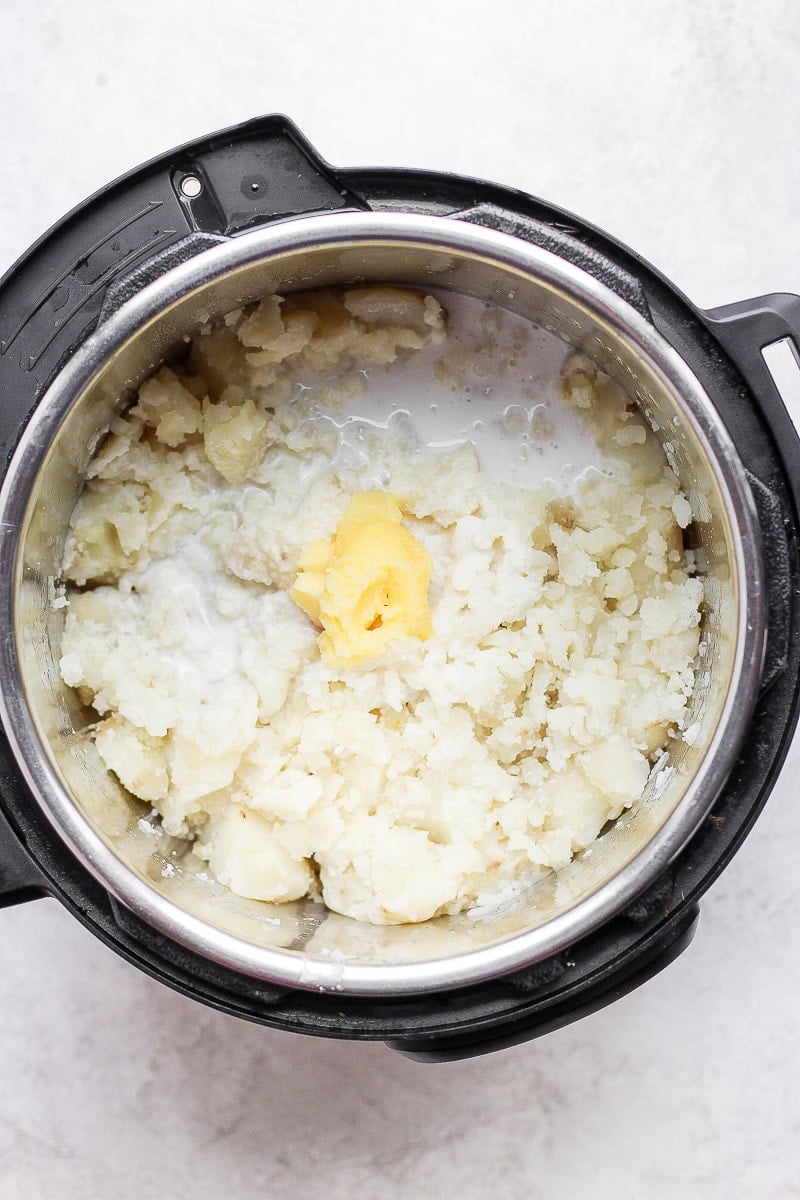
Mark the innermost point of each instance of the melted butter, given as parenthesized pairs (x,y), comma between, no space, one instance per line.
(367,585)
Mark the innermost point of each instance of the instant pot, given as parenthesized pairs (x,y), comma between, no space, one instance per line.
(118,287)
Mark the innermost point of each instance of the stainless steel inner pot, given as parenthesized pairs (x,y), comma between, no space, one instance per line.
(302,944)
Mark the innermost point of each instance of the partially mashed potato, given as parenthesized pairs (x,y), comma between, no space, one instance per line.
(488,739)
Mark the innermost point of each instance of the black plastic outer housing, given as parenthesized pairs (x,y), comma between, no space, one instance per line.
(139,226)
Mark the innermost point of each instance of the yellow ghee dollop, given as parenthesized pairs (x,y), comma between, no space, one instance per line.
(367,584)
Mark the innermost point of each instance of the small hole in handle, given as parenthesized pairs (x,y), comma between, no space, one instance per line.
(191,186)
(784,367)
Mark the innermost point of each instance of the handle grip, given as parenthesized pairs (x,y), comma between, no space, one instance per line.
(20,879)
(745,329)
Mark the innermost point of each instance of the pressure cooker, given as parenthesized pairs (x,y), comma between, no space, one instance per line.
(117,288)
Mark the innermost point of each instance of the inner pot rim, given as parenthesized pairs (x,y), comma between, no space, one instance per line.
(513,256)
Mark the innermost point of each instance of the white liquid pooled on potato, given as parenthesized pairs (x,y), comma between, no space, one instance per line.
(501,407)
(202,641)
(505,400)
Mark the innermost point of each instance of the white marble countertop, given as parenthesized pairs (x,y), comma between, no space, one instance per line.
(673,125)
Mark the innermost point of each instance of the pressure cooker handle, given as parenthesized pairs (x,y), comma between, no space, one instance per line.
(745,329)
(20,878)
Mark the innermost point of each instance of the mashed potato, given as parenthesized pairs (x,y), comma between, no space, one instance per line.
(444,770)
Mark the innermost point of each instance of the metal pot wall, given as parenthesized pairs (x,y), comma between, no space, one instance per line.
(111,293)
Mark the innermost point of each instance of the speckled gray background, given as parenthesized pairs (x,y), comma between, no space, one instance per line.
(673,125)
